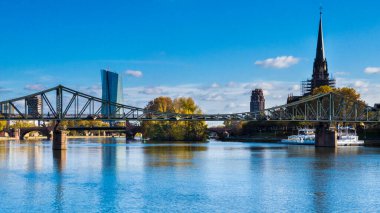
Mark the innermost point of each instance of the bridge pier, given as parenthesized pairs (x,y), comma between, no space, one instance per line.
(16,133)
(129,135)
(325,136)
(50,135)
(60,140)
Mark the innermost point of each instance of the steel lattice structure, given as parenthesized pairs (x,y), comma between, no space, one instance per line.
(62,103)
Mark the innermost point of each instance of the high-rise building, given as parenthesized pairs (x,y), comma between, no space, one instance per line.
(257,101)
(34,105)
(112,91)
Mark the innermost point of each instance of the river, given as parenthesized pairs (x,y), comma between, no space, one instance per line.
(109,175)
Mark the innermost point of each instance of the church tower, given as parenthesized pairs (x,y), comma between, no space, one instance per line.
(320,75)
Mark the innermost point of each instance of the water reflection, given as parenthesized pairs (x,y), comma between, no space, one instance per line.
(59,165)
(108,175)
(108,189)
(177,155)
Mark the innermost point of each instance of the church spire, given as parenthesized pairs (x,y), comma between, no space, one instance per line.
(320,55)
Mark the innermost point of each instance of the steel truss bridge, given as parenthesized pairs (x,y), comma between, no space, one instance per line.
(62,103)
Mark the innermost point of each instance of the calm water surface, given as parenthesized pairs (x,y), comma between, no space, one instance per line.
(103,175)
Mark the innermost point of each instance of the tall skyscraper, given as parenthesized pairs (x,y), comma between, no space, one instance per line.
(320,75)
(34,105)
(257,101)
(112,91)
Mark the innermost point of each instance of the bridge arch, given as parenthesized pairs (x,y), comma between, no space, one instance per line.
(42,130)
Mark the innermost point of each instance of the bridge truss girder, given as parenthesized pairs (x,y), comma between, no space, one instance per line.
(62,103)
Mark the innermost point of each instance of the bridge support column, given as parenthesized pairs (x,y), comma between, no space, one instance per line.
(49,135)
(16,134)
(325,136)
(128,135)
(60,140)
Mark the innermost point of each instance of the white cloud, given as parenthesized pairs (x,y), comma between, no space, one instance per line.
(233,97)
(279,62)
(360,84)
(341,73)
(4,90)
(35,87)
(214,85)
(94,90)
(152,91)
(227,98)
(295,87)
(372,70)
(134,73)
(368,90)
(213,97)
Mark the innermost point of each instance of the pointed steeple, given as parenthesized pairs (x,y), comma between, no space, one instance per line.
(320,70)
(320,55)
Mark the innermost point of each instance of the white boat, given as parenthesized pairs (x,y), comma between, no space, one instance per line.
(347,137)
(305,137)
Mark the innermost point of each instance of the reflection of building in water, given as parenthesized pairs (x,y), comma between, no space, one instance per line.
(4,151)
(109,174)
(35,156)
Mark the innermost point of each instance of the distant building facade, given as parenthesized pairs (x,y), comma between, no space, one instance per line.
(112,91)
(320,76)
(257,101)
(6,109)
(377,106)
(34,105)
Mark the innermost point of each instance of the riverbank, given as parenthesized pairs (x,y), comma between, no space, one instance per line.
(69,137)
(369,142)
(253,139)
(372,142)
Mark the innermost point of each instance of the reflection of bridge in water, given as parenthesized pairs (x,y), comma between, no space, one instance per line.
(61,103)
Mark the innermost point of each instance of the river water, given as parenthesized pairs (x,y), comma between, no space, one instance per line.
(108,175)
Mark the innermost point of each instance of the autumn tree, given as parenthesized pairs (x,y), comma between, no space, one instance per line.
(322,90)
(236,127)
(3,124)
(81,123)
(348,92)
(22,124)
(174,130)
(351,98)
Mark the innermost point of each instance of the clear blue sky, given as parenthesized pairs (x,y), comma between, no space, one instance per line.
(185,44)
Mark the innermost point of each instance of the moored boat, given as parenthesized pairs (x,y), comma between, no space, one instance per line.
(304,137)
(347,137)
